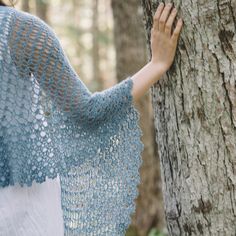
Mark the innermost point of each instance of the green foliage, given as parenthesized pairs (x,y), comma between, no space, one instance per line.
(155,232)
(131,231)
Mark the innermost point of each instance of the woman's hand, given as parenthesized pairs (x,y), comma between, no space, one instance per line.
(163,41)
(163,45)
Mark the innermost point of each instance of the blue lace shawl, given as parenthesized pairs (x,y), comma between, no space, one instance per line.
(51,124)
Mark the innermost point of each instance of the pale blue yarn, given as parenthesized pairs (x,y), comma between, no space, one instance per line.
(51,124)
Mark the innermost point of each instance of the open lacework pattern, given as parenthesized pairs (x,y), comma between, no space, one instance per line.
(51,124)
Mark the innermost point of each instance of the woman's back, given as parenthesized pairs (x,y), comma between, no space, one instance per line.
(53,126)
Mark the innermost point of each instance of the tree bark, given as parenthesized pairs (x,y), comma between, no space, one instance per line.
(25,5)
(131,55)
(41,9)
(96,57)
(195,117)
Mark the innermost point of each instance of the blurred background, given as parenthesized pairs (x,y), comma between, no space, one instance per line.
(105,42)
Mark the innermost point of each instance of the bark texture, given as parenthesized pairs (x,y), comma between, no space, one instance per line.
(96,57)
(42,9)
(131,55)
(195,116)
(25,5)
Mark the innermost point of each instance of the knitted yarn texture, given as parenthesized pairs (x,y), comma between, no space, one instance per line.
(51,124)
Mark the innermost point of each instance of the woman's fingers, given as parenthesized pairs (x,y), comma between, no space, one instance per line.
(164,16)
(177,30)
(158,15)
(170,21)
(164,19)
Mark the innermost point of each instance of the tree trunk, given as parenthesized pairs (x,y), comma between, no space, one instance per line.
(41,9)
(195,117)
(25,5)
(131,55)
(95,33)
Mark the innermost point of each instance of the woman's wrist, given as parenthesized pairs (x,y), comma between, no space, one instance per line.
(158,68)
(145,78)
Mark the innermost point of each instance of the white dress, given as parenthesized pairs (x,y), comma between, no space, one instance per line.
(31,211)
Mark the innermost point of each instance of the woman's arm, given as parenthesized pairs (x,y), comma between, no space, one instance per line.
(35,49)
(163,45)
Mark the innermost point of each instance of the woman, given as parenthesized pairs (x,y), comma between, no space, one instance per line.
(69,158)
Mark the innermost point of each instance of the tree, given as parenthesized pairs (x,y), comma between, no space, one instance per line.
(25,5)
(195,117)
(95,56)
(42,9)
(131,55)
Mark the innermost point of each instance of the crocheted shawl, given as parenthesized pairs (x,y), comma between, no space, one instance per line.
(51,124)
